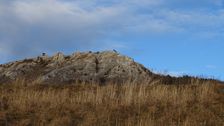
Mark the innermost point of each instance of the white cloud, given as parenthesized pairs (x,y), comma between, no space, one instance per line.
(217,2)
(35,11)
(50,25)
(152,26)
(118,45)
(211,66)
(56,25)
(177,73)
(171,73)
(63,12)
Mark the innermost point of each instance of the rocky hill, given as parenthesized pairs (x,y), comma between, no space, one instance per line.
(92,67)
(100,67)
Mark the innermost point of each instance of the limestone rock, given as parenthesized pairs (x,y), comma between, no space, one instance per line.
(59,57)
(100,67)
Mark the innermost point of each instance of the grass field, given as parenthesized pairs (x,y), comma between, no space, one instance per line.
(194,104)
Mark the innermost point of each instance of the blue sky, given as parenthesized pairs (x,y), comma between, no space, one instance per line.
(168,36)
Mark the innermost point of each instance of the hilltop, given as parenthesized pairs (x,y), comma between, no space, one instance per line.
(100,67)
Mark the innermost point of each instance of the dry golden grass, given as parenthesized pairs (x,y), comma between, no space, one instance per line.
(111,105)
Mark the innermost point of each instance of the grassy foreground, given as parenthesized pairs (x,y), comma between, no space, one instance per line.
(111,105)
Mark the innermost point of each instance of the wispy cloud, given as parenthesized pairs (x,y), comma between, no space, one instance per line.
(211,66)
(57,25)
(176,73)
(35,26)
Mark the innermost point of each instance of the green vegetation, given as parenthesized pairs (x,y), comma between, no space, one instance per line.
(194,104)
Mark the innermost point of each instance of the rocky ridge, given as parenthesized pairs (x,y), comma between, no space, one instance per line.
(100,67)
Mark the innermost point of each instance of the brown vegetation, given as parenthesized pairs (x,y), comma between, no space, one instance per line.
(128,104)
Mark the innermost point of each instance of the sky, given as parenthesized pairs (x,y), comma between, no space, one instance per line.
(175,37)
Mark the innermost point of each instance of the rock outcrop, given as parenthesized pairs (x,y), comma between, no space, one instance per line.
(100,67)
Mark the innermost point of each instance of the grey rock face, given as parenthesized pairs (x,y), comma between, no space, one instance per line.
(100,67)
